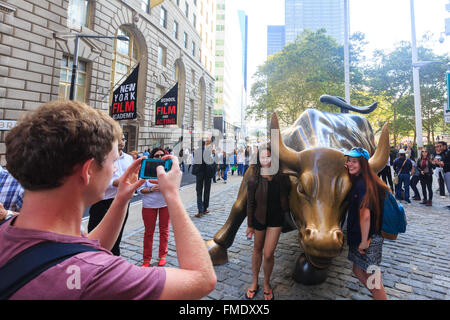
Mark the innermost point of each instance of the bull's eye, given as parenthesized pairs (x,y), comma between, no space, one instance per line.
(300,189)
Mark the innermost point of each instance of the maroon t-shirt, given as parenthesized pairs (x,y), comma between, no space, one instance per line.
(88,275)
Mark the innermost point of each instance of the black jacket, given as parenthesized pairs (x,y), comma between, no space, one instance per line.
(203,162)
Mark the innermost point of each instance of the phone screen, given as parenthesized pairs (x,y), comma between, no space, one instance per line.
(148,168)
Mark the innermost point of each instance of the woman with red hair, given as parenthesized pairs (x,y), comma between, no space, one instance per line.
(364,220)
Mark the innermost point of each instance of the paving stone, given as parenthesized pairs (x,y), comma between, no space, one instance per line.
(404,287)
(415,266)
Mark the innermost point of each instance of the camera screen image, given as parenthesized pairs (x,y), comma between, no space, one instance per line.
(148,168)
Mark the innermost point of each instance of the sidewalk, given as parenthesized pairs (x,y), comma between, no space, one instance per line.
(415,266)
(188,197)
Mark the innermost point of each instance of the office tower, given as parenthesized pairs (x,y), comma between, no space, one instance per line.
(230,69)
(275,39)
(313,15)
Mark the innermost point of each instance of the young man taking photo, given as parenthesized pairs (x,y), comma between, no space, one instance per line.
(63,154)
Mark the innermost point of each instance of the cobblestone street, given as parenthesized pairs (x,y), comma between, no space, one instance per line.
(415,266)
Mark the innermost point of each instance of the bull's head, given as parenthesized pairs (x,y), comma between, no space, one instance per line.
(319,186)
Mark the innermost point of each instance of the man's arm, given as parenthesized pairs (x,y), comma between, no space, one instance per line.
(196,277)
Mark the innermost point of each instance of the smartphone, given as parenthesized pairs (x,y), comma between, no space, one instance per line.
(148,168)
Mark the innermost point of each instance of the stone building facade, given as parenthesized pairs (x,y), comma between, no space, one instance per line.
(37,45)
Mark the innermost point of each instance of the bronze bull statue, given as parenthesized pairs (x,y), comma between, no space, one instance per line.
(311,152)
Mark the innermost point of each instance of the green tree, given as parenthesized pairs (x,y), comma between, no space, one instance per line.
(291,81)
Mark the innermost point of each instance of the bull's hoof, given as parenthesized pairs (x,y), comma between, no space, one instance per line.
(217,253)
(307,274)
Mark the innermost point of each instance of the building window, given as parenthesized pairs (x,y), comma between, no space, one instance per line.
(145,5)
(163,18)
(162,55)
(78,12)
(178,2)
(65,77)
(186,9)
(195,2)
(193,76)
(194,20)
(126,55)
(175,72)
(220,27)
(185,40)
(193,48)
(175,29)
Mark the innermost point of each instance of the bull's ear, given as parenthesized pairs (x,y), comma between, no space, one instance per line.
(379,159)
(289,158)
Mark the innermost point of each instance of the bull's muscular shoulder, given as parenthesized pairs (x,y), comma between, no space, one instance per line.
(315,128)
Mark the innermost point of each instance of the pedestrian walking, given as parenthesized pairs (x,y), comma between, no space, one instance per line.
(233,162)
(439,171)
(11,195)
(154,207)
(415,177)
(445,164)
(182,159)
(402,167)
(214,155)
(425,166)
(203,170)
(266,204)
(364,220)
(386,174)
(224,167)
(241,161)
(247,155)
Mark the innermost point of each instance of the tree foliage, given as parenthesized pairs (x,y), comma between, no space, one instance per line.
(292,81)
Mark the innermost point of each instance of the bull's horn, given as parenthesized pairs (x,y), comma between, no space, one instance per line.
(379,159)
(289,158)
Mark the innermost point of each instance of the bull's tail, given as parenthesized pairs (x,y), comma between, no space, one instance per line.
(341,103)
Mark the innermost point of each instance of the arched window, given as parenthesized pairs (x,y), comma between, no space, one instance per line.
(126,55)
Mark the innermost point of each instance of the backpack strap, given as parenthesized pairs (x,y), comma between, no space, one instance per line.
(33,261)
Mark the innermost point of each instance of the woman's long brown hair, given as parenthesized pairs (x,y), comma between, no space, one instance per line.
(375,190)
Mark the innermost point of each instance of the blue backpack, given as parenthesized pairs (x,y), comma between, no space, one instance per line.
(394,218)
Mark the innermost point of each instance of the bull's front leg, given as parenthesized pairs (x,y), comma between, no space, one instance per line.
(224,238)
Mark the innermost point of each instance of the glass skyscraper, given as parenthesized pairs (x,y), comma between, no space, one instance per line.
(275,39)
(313,15)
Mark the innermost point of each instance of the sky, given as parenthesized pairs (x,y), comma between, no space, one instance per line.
(384,22)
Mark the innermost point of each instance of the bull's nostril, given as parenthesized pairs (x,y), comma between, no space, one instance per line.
(338,235)
(308,232)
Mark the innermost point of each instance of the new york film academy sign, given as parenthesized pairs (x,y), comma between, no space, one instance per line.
(124,102)
(166,107)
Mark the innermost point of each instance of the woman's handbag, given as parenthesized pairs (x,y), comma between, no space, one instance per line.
(396,174)
(395,178)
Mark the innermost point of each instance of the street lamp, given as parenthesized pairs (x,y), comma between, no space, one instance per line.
(346,53)
(75,57)
(416,83)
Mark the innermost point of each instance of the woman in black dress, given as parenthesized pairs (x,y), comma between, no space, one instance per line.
(266,204)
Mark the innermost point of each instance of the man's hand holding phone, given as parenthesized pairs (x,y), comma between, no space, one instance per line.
(169,182)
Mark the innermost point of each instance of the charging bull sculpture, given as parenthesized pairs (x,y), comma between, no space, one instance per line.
(311,152)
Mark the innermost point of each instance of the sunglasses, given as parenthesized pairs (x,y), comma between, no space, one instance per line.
(359,149)
(158,155)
